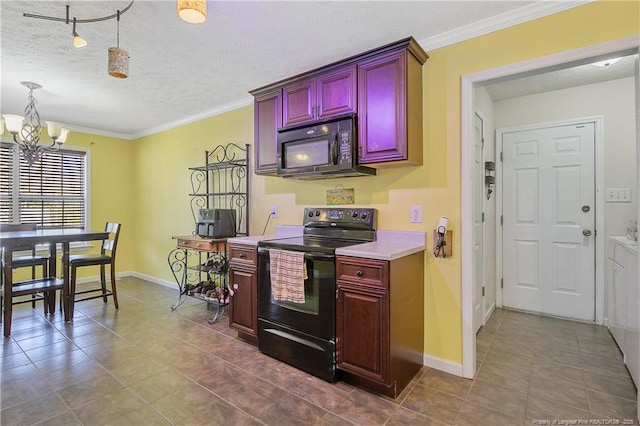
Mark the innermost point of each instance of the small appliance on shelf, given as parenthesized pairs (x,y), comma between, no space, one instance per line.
(216,223)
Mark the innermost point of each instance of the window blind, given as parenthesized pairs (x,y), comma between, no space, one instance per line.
(50,193)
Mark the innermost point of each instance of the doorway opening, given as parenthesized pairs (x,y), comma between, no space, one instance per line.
(470,186)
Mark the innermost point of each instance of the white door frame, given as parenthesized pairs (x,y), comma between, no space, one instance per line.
(626,46)
(599,203)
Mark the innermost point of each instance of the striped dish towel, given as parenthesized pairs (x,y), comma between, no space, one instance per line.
(288,272)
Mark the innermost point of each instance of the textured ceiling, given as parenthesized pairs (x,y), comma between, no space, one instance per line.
(561,79)
(179,72)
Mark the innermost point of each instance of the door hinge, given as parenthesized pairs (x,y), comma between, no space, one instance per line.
(501,282)
(501,156)
(501,220)
(482,216)
(483,290)
(482,142)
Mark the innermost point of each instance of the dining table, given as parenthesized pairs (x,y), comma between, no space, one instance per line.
(17,240)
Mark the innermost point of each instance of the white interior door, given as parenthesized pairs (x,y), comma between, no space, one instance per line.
(478,237)
(549,220)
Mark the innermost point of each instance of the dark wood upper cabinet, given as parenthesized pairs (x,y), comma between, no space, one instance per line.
(383,86)
(390,110)
(267,121)
(325,95)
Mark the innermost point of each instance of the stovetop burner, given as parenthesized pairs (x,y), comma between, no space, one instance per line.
(327,229)
(306,243)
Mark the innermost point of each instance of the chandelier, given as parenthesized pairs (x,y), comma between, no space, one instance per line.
(27,130)
(118,59)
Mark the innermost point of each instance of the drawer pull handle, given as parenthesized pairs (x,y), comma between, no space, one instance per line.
(242,255)
(359,273)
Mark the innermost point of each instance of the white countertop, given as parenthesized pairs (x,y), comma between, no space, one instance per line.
(389,245)
(626,243)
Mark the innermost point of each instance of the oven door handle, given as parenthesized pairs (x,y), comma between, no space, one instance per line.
(307,255)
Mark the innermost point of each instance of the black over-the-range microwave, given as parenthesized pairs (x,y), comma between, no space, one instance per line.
(321,150)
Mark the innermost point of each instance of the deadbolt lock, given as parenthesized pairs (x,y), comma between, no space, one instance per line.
(586,232)
(586,209)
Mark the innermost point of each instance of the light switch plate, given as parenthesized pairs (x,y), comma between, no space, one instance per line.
(618,195)
(274,212)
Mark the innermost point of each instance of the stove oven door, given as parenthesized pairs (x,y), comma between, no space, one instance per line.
(317,315)
(302,335)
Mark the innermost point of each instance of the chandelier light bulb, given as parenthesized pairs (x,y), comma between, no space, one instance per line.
(54,129)
(63,136)
(13,122)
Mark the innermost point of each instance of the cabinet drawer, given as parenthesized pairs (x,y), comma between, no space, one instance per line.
(246,255)
(204,245)
(363,271)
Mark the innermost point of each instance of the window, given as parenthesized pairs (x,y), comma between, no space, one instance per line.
(51,193)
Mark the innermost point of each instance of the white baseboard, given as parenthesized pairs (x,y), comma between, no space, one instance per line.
(155,280)
(487,315)
(442,364)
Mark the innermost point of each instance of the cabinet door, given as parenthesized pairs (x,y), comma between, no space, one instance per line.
(382,108)
(363,333)
(617,308)
(267,120)
(336,92)
(243,310)
(299,102)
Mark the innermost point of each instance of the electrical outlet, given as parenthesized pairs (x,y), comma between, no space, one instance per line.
(274,211)
(416,214)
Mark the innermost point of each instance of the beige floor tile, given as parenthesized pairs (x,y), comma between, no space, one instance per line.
(603,405)
(473,414)
(144,364)
(433,403)
(363,408)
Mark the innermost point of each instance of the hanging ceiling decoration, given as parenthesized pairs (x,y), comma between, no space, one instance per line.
(192,11)
(27,130)
(118,65)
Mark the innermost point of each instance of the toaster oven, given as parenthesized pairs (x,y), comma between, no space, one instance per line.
(216,223)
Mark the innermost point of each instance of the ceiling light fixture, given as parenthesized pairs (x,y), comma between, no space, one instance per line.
(27,130)
(118,58)
(192,11)
(606,62)
(77,40)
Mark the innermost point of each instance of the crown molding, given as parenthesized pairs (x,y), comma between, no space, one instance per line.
(99,132)
(196,117)
(485,26)
(499,22)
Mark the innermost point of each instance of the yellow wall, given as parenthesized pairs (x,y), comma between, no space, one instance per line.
(160,163)
(111,193)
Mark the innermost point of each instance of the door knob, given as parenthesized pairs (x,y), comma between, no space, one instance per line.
(586,209)
(586,232)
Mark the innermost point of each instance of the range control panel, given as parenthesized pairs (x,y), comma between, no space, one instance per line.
(340,217)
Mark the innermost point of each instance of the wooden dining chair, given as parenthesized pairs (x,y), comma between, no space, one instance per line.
(106,257)
(29,257)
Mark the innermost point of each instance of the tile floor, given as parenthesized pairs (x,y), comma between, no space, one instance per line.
(146,365)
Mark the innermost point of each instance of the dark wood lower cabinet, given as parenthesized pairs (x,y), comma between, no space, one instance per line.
(380,321)
(243,281)
(364,337)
